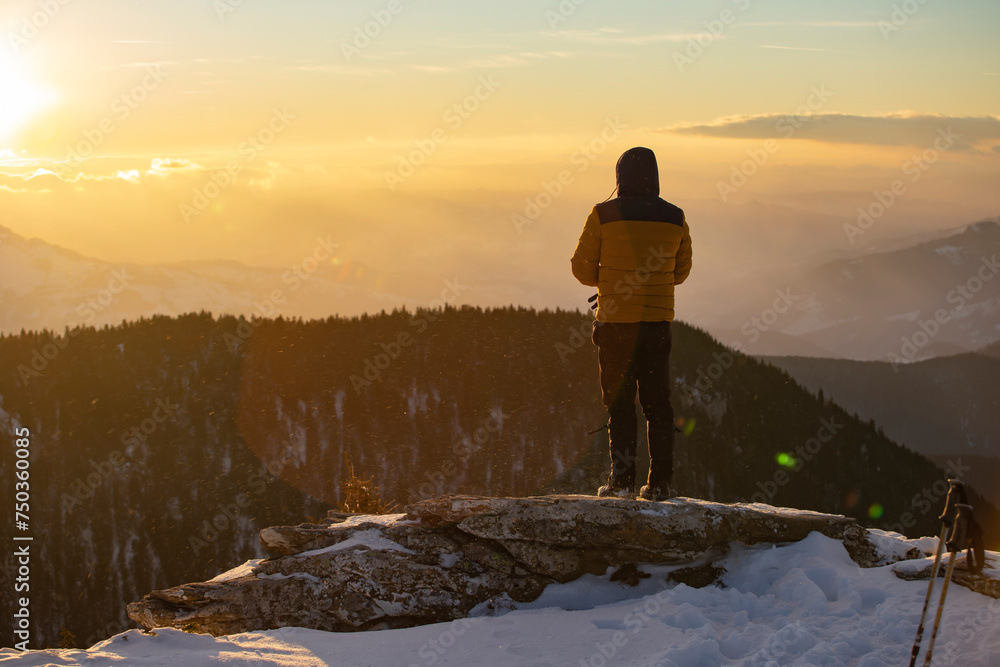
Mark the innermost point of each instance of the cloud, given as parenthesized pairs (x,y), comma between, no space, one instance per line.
(105,175)
(36,181)
(431,68)
(895,129)
(154,64)
(793,48)
(337,68)
(813,24)
(57,176)
(613,36)
(42,179)
(163,164)
(401,62)
(38,173)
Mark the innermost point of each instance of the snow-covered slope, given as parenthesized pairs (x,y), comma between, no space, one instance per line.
(939,295)
(805,603)
(44,286)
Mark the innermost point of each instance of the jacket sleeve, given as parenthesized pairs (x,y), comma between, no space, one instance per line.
(587,258)
(682,265)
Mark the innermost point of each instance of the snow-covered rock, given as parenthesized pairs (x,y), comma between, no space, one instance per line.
(447,556)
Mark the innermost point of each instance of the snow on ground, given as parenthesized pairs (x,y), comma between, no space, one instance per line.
(237,572)
(371,538)
(805,603)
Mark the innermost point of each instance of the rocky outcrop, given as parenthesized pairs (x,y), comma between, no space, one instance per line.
(986,582)
(453,556)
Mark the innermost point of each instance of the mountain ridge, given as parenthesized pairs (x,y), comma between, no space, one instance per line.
(942,407)
(905,304)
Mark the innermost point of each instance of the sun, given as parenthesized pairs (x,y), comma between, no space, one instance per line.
(21,97)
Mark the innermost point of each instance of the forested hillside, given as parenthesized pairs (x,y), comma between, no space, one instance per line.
(944,408)
(160,448)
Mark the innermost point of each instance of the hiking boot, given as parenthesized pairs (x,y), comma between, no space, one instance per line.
(656,493)
(608,491)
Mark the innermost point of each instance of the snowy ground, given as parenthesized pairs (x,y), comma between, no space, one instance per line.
(801,604)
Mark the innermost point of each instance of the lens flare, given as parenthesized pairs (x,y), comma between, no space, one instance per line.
(876,511)
(685,425)
(786,460)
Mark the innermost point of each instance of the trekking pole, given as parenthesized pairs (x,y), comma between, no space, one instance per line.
(955,544)
(955,490)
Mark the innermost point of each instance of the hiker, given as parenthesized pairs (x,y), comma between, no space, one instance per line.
(635,249)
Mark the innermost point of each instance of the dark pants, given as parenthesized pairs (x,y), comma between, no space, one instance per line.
(637,356)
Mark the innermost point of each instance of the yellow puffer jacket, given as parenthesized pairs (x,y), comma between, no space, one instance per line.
(634,249)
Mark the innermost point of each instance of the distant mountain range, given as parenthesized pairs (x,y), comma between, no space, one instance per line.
(928,296)
(43,286)
(944,408)
(991,350)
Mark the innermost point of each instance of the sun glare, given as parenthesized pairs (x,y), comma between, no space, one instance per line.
(21,98)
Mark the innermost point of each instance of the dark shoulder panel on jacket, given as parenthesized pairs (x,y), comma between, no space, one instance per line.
(640,208)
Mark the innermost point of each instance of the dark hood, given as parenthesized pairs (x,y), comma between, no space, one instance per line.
(637,173)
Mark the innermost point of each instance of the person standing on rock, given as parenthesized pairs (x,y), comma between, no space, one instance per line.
(635,249)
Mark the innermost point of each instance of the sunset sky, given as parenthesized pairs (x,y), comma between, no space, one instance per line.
(420,149)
